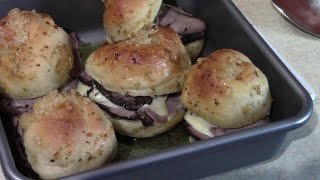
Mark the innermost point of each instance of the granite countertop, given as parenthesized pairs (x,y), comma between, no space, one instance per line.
(300,158)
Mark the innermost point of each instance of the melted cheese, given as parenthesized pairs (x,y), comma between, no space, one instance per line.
(82,89)
(158,105)
(95,95)
(198,123)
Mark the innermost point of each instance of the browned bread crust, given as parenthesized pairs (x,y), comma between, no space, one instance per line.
(66,134)
(35,55)
(153,62)
(227,90)
(124,18)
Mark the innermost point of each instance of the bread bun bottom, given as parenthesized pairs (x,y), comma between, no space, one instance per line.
(195,48)
(136,129)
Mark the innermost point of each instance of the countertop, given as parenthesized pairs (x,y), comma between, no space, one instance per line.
(300,158)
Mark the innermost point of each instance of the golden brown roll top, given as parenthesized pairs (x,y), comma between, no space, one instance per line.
(153,62)
(124,18)
(35,55)
(227,90)
(66,134)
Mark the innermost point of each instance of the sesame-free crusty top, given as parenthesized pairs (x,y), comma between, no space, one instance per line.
(153,62)
(124,18)
(227,90)
(65,134)
(35,55)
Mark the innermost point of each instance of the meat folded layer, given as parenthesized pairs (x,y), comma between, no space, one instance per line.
(190,29)
(180,21)
(147,109)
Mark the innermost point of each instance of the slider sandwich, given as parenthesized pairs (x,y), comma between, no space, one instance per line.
(65,134)
(36,55)
(36,58)
(137,81)
(124,18)
(223,93)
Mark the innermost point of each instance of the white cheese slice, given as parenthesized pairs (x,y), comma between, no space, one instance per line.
(95,95)
(199,123)
(82,89)
(158,105)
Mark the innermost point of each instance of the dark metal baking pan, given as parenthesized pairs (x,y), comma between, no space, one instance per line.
(227,28)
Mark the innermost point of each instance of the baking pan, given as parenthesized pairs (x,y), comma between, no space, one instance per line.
(227,28)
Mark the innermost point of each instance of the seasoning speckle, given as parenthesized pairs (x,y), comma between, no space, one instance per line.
(116,55)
